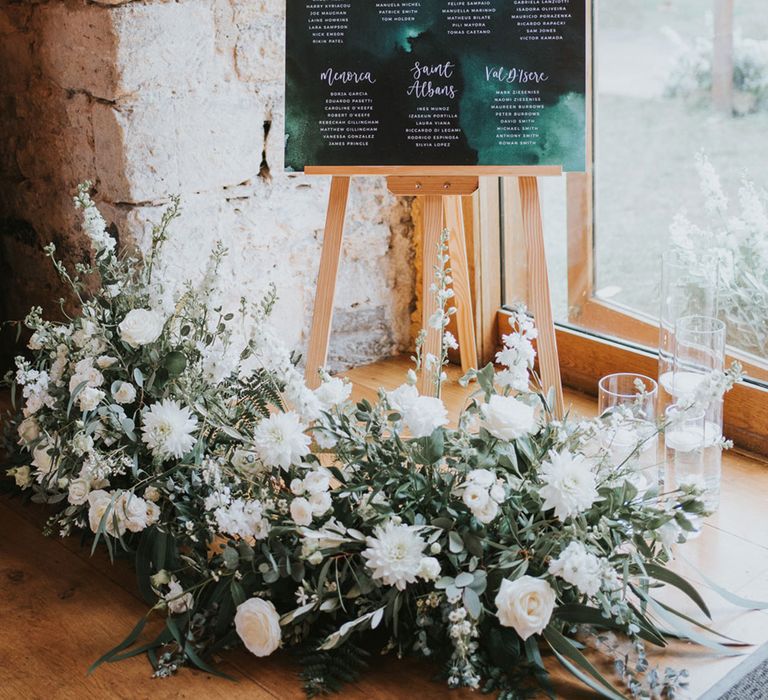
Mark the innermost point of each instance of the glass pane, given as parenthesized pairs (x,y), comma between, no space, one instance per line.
(654,113)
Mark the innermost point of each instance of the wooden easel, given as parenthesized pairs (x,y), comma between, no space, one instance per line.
(441,190)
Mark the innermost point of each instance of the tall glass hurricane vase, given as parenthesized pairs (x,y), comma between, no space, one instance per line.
(689,287)
(699,351)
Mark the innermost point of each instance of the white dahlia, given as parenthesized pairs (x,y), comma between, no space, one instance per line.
(168,429)
(394,554)
(280,440)
(570,485)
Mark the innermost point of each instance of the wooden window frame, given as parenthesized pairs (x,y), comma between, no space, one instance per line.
(600,337)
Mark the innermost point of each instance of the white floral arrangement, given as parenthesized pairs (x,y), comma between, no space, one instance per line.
(258,512)
(736,239)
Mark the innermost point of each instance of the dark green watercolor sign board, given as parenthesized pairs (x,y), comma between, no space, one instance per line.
(435,82)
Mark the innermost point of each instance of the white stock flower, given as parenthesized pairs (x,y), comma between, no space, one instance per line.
(570,485)
(425,415)
(301,511)
(168,429)
(579,567)
(258,625)
(141,327)
(89,398)
(507,418)
(242,518)
(124,393)
(332,392)
(77,493)
(280,440)
(429,569)
(526,605)
(176,600)
(394,554)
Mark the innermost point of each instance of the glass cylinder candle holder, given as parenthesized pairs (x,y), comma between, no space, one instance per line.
(628,404)
(692,455)
(689,287)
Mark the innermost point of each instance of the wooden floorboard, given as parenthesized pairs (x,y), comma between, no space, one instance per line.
(60,608)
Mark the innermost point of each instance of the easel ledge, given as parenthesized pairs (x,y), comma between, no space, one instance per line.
(437,170)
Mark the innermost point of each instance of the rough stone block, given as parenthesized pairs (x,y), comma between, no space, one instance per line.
(161,145)
(78,48)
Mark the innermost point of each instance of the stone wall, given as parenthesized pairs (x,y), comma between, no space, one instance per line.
(150,98)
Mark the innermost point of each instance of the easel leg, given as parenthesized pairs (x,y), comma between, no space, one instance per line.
(433,227)
(322,315)
(539,293)
(465,323)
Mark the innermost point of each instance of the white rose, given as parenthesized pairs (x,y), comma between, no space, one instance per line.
(425,415)
(317,481)
(82,443)
(320,502)
(78,491)
(429,569)
(99,503)
(152,494)
(297,487)
(332,392)
(475,496)
(42,458)
(258,625)
(134,511)
(141,327)
(506,418)
(28,430)
(89,398)
(124,393)
(526,605)
(488,512)
(482,477)
(105,361)
(301,511)
(497,493)
(153,513)
(21,476)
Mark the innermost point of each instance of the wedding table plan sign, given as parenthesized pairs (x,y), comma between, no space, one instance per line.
(497,82)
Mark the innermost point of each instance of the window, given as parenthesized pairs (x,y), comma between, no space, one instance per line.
(659,97)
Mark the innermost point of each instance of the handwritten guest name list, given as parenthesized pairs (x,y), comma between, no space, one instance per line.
(428,82)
